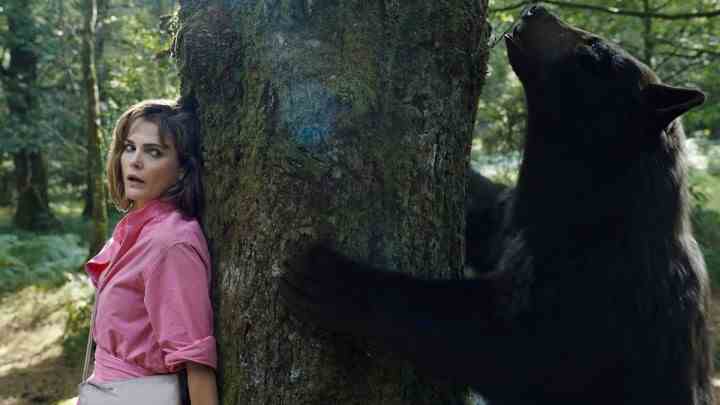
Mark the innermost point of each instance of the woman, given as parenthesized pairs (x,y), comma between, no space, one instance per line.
(153,314)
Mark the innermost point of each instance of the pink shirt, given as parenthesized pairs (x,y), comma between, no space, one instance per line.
(153,307)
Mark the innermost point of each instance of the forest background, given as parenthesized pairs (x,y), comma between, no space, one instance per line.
(67,73)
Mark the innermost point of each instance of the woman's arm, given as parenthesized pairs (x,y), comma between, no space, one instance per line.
(201,384)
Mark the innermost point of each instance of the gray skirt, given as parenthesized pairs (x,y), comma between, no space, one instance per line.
(164,389)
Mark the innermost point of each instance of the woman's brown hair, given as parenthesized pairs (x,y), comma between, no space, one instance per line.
(177,121)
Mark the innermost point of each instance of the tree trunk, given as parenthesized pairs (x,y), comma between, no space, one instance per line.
(33,210)
(99,220)
(19,82)
(6,184)
(160,10)
(101,32)
(342,120)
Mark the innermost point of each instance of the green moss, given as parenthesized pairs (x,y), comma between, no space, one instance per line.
(356,83)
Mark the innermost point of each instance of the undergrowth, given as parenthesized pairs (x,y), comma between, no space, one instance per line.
(705,200)
(40,260)
(77,329)
(49,260)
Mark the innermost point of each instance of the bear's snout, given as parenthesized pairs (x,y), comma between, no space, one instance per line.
(535,11)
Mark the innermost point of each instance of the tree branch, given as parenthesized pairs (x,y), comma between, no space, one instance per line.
(687,68)
(662,6)
(612,10)
(695,50)
(693,53)
(509,8)
(631,13)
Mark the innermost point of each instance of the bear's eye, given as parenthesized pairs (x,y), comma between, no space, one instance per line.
(598,46)
(588,59)
(595,58)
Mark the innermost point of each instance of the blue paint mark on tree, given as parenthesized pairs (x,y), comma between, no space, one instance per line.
(309,112)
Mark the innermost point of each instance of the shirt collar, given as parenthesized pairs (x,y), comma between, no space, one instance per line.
(152,209)
(125,234)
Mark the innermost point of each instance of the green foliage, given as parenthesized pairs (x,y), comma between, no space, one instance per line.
(136,64)
(36,32)
(133,64)
(31,259)
(710,150)
(500,122)
(500,166)
(77,329)
(49,261)
(705,192)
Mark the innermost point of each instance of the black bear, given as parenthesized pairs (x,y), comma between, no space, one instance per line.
(598,292)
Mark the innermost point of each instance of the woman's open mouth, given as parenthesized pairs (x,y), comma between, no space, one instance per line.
(133,180)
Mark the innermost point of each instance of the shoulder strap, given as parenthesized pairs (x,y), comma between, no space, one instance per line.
(90,342)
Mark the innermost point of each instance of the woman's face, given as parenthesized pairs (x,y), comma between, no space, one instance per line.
(149,168)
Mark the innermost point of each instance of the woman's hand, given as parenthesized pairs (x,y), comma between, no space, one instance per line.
(201,384)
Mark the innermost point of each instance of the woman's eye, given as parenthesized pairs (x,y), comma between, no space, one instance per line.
(129,147)
(155,153)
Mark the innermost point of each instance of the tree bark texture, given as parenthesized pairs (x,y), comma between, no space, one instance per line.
(100,34)
(31,182)
(98,227)
(7,186)
(345,120)
(19,81)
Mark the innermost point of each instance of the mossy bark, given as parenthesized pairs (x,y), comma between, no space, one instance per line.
(33,209)
(7,189)
(101,34)
(98,227)
(346,120)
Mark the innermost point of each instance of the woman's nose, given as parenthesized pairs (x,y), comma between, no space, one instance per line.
(136,159)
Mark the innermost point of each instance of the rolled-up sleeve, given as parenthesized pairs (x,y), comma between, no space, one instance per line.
(177,298)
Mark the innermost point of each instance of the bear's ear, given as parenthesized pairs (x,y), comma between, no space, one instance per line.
(669,102)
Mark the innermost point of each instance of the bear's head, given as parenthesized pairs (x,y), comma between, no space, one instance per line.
(585,90)
(602,143)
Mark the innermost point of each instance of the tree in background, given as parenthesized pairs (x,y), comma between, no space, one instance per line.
(347,120)
(96,190)
(7,189)
(132,55)
(20,86)
(132,61)
(91,59)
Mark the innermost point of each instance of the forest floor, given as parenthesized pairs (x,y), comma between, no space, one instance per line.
(33,369)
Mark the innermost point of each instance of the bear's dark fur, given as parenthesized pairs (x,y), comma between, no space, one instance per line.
(599,293)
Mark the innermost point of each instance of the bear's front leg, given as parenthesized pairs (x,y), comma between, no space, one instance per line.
(328,289)
(408,315)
